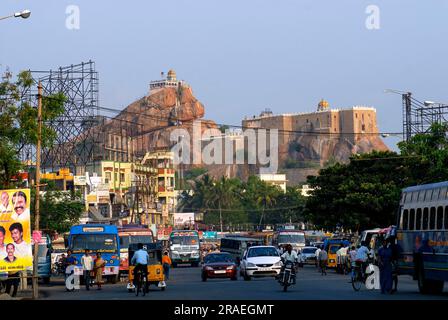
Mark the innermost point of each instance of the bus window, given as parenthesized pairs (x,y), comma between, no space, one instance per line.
(425,219)
(412,219)
(428,194)
(443,193)
(435,194)
(418,220)
(440,218)
(446,218)
(432,218)
(421,195)
(405,220)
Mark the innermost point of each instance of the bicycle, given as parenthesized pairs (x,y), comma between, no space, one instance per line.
(141,283)
(359,276)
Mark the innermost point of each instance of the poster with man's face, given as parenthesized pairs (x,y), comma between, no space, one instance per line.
(15,230)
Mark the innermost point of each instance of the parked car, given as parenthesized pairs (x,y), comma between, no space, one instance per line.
(219,265)
(307,256)
(260,261)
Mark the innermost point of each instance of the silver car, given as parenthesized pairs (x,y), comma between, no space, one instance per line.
(307,256)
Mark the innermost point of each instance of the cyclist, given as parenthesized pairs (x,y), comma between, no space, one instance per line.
(140,260)
(362,256)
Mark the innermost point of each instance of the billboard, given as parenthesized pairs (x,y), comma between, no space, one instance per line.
(15,230)
(163,233)
(183,218)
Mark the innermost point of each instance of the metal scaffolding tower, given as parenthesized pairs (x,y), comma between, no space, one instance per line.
(75,137)
(419,116)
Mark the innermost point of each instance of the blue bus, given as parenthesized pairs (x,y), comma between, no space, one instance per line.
(422,235)
(97,238)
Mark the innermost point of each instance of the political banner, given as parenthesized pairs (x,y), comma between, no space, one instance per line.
(15,230)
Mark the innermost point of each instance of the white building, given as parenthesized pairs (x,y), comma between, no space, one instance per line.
(275,179)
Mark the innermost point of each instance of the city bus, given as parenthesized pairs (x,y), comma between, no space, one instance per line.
(97,238)
(132,234)
(184,247)
(289,236)
(236,246)
(422,235)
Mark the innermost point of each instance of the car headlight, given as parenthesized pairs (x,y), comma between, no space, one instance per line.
(230,267)
(195,254)
(208,268)
(251,265)
(174,254)
(278,264)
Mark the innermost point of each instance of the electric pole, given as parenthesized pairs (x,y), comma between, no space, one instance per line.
(37,213)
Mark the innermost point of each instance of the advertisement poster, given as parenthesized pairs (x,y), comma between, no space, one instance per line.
(182,218)
(15,230)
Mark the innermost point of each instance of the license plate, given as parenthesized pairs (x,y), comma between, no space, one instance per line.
(184,259)
(220,271)
(264,269)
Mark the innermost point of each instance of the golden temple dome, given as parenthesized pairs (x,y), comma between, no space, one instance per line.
(171,75)
(323,105)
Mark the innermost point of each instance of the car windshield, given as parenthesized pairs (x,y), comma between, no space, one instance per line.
(334,249)
(262,252)
(214,258)
(309,250)
(291,238)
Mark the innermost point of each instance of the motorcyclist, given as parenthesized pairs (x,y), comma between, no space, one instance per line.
(290,255)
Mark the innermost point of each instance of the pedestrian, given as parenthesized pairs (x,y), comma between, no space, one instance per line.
(166,263)
(317,258)
(323,258)
(70,260)
(394,261)
(13,282)
(99,267)
(385,266)
(87,267)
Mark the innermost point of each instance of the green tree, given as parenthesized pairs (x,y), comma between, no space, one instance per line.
(361,194)
(18,120)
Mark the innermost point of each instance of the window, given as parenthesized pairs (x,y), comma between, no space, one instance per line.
(115,176)
(418,220)
(122,177)
(425,219)
(405,220)
(107,179)
(440,218)
(412,220)
(421,196)
(443,193)
(432,218)
(446,219)
(435,194)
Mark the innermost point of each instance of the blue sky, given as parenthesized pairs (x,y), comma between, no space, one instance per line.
(243,56)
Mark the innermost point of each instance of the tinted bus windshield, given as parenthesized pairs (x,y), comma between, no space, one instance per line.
(94,242)
(185,240)
(291,238)
(125,241)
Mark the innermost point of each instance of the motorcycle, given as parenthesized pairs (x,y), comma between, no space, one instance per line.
(287,275)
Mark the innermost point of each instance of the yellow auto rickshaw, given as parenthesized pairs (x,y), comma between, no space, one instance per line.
(155,273)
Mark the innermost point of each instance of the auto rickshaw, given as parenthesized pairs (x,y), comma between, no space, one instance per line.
(155,273)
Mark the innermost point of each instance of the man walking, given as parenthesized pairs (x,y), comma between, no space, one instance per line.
(166,263)
(323,257)
(87,266)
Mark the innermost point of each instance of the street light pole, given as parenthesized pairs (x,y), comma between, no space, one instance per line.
(37,211)
(24,14)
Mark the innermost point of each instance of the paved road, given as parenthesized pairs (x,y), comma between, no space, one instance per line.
(186,284)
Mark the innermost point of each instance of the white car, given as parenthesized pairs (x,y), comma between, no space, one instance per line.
(307,256)
(260,261)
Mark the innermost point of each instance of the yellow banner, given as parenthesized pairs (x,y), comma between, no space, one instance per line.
(15,230)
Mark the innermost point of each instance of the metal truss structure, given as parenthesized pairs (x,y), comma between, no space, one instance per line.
(419,116)
(75,135)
